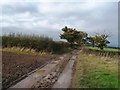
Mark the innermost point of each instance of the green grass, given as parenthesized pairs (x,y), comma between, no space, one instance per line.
(105,49)
(95,72)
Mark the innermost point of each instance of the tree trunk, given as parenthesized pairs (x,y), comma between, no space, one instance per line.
(101,48)
(93,43)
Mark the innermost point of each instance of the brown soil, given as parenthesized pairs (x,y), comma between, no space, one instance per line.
(16,65)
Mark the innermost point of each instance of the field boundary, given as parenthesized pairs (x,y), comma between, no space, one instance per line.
(102,53)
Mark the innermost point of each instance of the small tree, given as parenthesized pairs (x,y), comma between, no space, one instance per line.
(73,36)
(101,40)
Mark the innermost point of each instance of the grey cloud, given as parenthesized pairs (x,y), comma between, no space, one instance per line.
(76,15)
(17,8)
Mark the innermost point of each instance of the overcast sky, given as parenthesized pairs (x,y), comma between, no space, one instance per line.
(48,18)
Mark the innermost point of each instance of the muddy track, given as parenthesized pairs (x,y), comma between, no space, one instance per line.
(65,78)
(26,75)
(52,74)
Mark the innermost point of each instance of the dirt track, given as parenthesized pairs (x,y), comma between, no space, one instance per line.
(52,75)
(65,78)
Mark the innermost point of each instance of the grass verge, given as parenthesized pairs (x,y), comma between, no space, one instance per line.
(95,72)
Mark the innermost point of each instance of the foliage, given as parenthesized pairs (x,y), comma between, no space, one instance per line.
(38,43)
(91,40)
(101,41)
(73,36)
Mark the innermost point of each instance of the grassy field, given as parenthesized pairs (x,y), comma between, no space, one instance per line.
(95,72)
(105,49)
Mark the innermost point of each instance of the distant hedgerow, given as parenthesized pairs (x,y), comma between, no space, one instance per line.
(38,43)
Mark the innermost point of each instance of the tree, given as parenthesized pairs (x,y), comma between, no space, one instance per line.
(101,40)
(73,36)
(91,40)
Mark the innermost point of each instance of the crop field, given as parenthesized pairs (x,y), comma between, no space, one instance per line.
(93,71)
(105,49)
(15,65)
